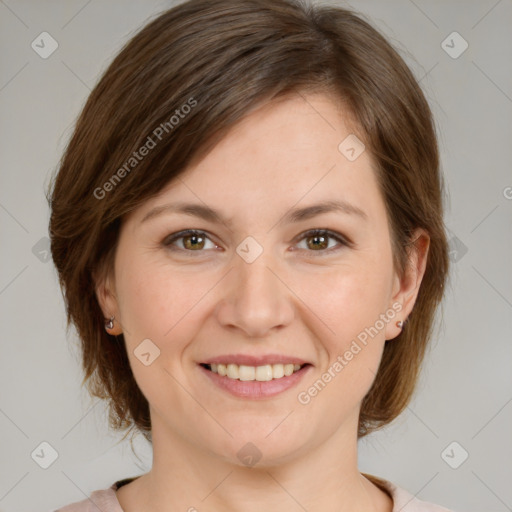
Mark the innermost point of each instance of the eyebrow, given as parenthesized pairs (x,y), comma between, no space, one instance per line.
(292,216)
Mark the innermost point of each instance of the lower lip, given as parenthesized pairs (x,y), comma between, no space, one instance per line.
(255,389)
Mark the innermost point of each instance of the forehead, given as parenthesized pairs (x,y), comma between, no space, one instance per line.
(283,153)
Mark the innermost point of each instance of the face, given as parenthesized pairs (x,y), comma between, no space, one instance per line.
(257,287)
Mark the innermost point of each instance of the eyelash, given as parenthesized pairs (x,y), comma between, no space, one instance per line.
(168,241)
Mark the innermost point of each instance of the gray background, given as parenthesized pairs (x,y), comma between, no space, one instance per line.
(465,392)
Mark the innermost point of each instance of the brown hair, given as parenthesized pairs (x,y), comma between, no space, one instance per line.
(223,59)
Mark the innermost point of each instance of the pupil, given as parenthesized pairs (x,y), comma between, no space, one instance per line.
(192,244)
(319,244)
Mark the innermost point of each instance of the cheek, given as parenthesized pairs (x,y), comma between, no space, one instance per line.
(156,299)
(350,305)
(347,299)
(157,304)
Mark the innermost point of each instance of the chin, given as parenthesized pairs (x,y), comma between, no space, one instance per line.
(257,452)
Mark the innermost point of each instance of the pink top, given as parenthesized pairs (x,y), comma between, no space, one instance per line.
(106,500)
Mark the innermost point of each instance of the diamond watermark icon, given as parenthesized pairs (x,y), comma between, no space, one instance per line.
(44,455)
(249,249)
(351,147)
(41,249)
(454,455)
(44,45)
(249,454)
(146,352)
(454,45)
(457,249)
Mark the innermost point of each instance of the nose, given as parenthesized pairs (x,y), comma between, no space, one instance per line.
(256,300)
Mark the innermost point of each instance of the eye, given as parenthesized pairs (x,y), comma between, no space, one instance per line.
(192,241)
(320,240)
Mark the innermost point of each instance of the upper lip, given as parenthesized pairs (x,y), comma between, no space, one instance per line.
(248,360)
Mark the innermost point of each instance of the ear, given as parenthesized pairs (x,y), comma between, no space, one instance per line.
(106,295)
(406,288)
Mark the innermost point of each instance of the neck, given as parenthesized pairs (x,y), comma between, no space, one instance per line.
(187,477)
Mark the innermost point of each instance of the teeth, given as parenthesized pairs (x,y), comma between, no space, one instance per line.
(260,373)
(233,372)
(245,372)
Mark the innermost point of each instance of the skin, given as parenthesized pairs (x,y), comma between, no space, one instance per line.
(294,299)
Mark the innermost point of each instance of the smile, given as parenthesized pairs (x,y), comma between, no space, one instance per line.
(254,382)
(249,373)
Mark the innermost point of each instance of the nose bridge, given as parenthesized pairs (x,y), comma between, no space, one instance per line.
(256,300)
(256,279)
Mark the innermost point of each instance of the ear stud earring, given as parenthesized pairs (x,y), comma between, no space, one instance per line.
(109,324)
(400,324)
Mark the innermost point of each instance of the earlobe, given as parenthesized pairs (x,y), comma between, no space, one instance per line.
(113,327)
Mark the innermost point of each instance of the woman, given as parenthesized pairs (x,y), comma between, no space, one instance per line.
(248,229)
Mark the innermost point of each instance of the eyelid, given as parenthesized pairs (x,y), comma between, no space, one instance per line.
(341,239)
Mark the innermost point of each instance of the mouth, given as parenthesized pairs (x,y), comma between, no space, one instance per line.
(254,382)
(263,373)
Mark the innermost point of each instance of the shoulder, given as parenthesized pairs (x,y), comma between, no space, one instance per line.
(104,500)
(403,500)
(406,502)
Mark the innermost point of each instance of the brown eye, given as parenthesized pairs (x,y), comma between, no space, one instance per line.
(318,240)
(192,241)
